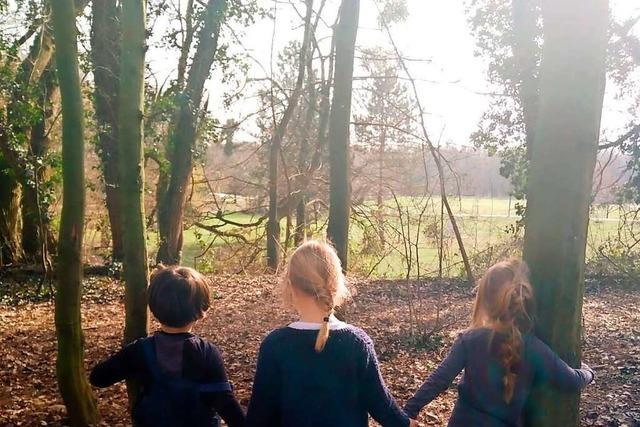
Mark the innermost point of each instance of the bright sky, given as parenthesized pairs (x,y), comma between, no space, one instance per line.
(451,85)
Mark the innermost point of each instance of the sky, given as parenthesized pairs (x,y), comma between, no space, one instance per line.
(452,85)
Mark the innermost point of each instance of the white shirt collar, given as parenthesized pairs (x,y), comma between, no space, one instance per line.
(334,324)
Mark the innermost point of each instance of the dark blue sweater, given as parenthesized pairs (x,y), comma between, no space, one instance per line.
(182,355)
(480,392)
(297,387)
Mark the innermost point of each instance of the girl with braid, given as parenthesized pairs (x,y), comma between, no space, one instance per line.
(319,371)
(501,360)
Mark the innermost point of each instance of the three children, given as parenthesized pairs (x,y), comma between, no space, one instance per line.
(320,371)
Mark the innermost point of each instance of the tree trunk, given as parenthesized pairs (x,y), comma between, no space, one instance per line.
(105,56)
(572,81)
(185,48)
(131,168)
(36,228)
(525,48)
(340,117)
(10,244)
(74,387)
(183,137)
(381,182)
(131,174)
(29,72)
(273,222)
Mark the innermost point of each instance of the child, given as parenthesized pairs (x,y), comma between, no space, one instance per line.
(319,371)
(501,360)
(182,375)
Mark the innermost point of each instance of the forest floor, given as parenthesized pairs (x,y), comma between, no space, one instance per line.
(246,308)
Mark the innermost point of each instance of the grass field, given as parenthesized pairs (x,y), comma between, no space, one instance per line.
(486,227)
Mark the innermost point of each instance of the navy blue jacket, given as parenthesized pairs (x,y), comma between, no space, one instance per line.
(295,386)
(182,355)
(480,392)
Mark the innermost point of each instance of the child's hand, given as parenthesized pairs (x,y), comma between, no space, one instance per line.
(588,368)
(413,423)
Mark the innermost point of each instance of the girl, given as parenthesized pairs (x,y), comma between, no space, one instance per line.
(319,371)
(501,361)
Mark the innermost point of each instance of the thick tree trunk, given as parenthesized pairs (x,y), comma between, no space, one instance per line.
(572,81)
(10,244)
(74,387)
(105,56)
(339,119)
(183,137)
(273,223)
(131,174)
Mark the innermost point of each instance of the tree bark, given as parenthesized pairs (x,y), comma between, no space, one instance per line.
(572,82)
(183,137)
(10,243)
(74,387)
(339,119)
(131,174)
(273,222)
(131,168)
(105,56)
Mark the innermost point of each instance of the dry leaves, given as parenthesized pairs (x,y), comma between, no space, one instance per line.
(246,308)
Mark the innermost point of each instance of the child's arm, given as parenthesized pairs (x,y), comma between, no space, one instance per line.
(264,407)
(118,367)
(224,402)
(380,404)
(549,368)
(439,380)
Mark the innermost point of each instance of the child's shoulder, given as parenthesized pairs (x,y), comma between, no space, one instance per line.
(204,344)
(277,336)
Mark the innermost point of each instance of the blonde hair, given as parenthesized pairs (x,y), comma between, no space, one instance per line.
(504,301)
(314,269)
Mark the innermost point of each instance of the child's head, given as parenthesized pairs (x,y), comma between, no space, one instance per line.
(314,272)
(504,295)
(178,296)
(504,303)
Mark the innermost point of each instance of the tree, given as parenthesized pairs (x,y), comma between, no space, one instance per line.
(171,201)
(131,169)
(105,57)
(37,237)
(572,82)
(74,387)
(386,125)
(509,35)
(10,243)
(339,119)
(273,223)
(28,87)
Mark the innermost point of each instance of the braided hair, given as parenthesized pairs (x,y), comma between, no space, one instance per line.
(314,269)
(504,301)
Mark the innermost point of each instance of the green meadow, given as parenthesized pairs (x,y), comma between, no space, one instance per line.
(486,225)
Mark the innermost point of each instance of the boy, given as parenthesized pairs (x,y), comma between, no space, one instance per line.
(182,375)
